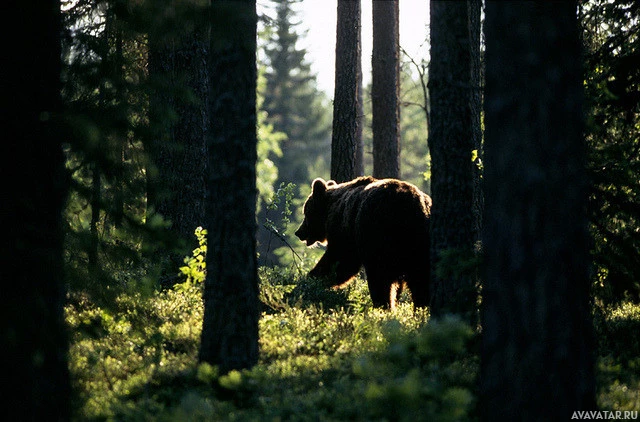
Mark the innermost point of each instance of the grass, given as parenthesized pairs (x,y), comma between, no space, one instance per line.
(325,356)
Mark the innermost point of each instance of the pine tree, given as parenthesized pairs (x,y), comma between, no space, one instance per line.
(294,109)
(346,119)
(34,185)
(105,98)
(612,83)
(179,119)
(385,89)
(537,359)
(451,143)
(230,324)
(294,105)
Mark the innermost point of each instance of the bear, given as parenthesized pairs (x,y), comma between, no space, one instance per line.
(379,224)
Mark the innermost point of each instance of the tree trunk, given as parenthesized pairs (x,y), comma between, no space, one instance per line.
(230,326)
(385,90)
(537,361)
(345,103)
(359,168)
(451,143)
(32,328)
(178,70)
(475,29)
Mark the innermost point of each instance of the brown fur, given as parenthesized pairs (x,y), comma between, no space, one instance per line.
(382,225)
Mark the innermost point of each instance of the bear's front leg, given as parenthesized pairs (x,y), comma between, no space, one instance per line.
(345,270)
(324,267)
(337,270)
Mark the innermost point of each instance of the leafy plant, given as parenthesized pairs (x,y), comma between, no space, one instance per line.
(196,264)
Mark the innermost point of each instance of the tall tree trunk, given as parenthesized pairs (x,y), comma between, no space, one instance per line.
(475,29)
(230,326)
(451,143)
(385,89)
(359,169)
(537,361)
(345,103)
(178,69)
(34,186)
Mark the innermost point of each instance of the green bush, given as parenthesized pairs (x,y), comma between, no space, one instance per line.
(325,356)
(617,330)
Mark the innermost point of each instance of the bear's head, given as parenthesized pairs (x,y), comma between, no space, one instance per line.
(314,226)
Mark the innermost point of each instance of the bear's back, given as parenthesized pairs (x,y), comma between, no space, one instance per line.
(393,222)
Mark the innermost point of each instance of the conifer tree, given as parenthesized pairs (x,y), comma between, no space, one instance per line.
(451,143)
(346,121)
(179,119)
(385,89)
(294,105)
(230,324)
(105,99)
(34,186)
(612,83)
(537,361)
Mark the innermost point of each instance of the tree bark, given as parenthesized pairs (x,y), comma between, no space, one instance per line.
(178,70)
(537,361)
(35,184)
(451,143)
(475,30)
(231,313)
(385,90)
(345,103)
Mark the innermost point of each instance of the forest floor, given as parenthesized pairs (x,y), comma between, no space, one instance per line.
(325,356)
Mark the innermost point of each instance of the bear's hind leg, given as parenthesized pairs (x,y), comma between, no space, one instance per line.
(419,287)
(380,291)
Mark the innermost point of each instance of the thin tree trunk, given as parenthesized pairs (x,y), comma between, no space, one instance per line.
(359,169)
(451,143)
(230,325)
(345,103)
(385,89)
(475,30)
(537,361)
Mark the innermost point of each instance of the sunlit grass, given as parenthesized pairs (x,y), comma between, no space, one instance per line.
(324,355)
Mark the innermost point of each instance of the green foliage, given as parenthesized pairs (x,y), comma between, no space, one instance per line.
(296,110)
(612,80)
(617,331)
(112,238)
(415,158)
(423,375)
(105,95)
(292,101)
(280,223)
(282,201)
(324,356)
(269,141)
(196,265)
(117,354)
(332,360)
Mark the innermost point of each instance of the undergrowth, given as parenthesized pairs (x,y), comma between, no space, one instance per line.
(326,355)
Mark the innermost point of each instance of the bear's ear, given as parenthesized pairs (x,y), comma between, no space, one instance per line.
(331,183)
(319,186)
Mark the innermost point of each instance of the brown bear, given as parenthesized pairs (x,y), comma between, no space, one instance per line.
(382,225)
